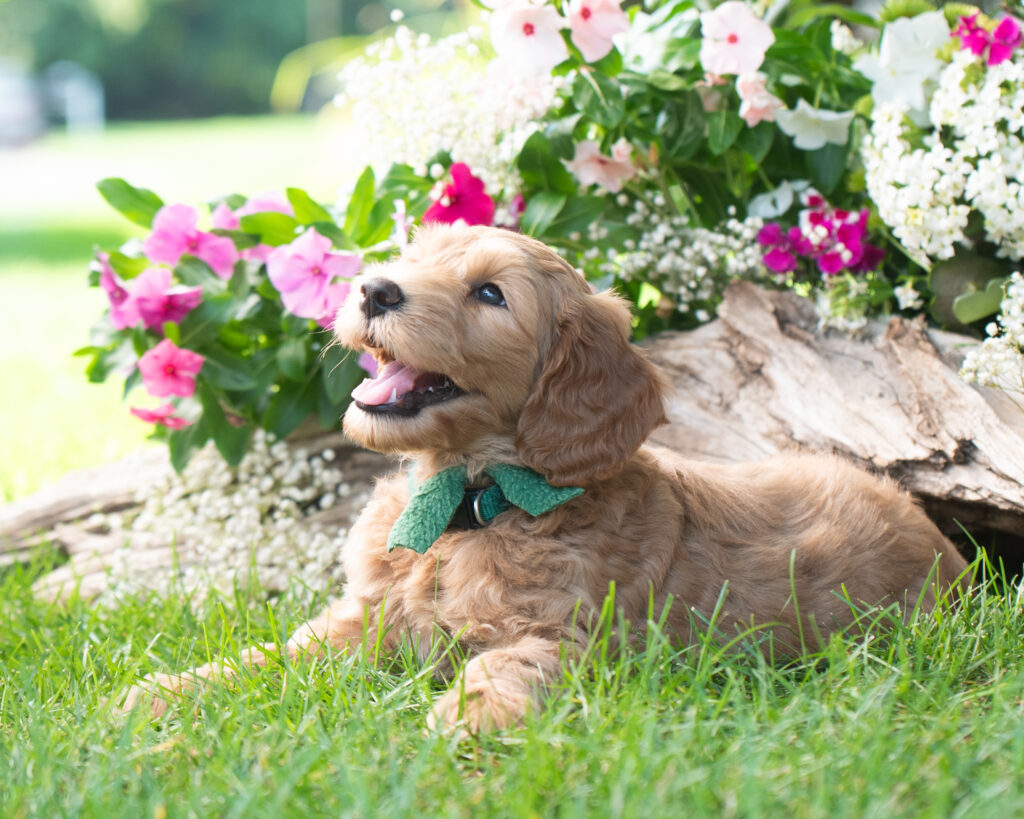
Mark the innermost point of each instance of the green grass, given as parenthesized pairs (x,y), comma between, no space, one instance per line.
(922,721)
(51,220)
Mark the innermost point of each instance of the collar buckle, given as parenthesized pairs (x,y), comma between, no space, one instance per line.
(468,514)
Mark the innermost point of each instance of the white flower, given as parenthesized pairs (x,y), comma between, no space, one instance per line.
(813,128)
(907,297)
(527,36)
(906,61)
(843,39)
(776,202)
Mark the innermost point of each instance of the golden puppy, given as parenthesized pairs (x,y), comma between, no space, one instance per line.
(495,354)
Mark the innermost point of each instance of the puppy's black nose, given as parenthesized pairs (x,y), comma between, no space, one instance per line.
(379,296)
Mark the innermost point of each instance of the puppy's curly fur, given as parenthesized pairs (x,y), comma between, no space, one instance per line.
(547,378)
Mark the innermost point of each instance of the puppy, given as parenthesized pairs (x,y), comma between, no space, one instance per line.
(496,359)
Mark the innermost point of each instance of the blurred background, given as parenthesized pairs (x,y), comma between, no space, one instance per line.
(191,98)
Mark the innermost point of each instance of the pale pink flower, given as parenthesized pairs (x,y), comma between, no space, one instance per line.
(123,310)
(164,415)
(593,24)
(303,271)
(592,167)
(169,370)
(756,103)
(734,39)
(527,36)
(175,234)
(157,302)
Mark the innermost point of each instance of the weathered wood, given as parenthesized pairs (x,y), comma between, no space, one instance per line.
(759,380)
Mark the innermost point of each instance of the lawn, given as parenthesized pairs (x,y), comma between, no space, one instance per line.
(922,721)
(51,218)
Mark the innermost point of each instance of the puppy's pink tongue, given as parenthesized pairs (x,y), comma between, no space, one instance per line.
(393,381)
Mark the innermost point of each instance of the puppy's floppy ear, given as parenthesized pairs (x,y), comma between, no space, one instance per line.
(597,398)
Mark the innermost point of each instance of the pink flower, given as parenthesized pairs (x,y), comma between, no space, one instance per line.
(123,311)
(1006,37)
(756,104)
(169,370)
(591,167)
(527,36)
(158,302)
(336,295)
(734,39)
(175,234)
(593,24)
(368,363)
(164,414)
(463,198)
(303,272)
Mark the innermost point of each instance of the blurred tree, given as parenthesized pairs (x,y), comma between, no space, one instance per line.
(170,58)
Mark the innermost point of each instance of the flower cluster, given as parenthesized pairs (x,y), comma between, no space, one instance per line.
(229,525)
(442,99)
(833,238)
(972,160)
(999,360)
(995,46)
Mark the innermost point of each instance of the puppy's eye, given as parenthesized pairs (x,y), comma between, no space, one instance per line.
(490,294)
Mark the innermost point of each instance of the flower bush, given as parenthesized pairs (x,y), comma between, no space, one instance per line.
(666,150)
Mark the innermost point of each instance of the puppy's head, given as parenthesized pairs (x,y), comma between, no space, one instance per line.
(492,346)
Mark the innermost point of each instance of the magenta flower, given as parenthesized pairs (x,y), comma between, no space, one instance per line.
(593,23)
(368,363)
(158,302)
(336,295)
(1005,39)
(169,370)
(175,234)
(123,310)
(164,415)
(464,198)
(1000,43)
(304,272)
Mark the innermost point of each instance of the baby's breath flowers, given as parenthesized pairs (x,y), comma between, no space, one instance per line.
(229,525)
(999,361)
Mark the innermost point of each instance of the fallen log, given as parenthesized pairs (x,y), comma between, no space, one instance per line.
(759,380)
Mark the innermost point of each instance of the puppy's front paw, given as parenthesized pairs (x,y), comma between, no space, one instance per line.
(156,691)
(479,708)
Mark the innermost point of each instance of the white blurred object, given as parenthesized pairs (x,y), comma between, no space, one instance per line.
(22,118)
(76,96)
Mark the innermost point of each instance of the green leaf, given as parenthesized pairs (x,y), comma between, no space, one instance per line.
(826,165)
(182,443)
(757,141)
(340,373)
(291,358)
(357,213)
(979,304)
(964,274)
(137,204)
(895,9)
(172,331)
(541,211)
(681,124)
(120,357)
(127,267)
(598,98)
(197,273)
(844,13)
(241,239)
(335,234)
(272,228)
(666,80)
(201,324)
(289,407)
(232,441)
(306,210)
(723,128)
(226,369)
(541,169)
(578,213)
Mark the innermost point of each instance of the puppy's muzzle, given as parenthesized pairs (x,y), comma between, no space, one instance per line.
(380,296)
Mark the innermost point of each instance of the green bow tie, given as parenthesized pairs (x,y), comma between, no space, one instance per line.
(434,502)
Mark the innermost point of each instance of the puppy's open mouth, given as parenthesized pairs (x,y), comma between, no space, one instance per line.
(399,389)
